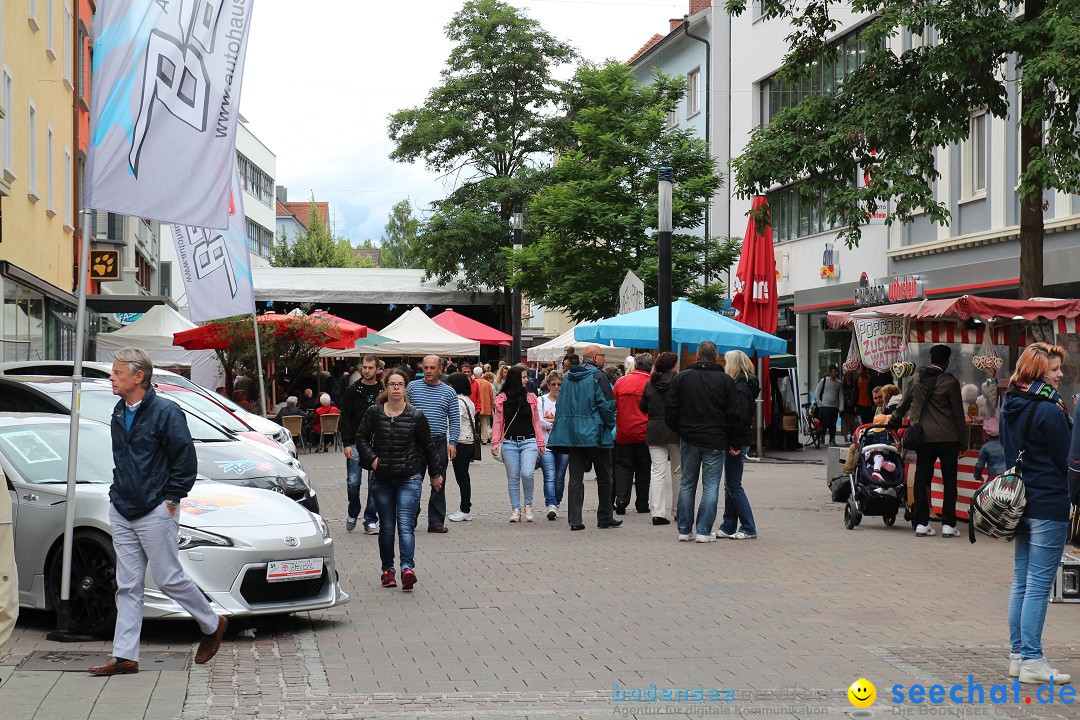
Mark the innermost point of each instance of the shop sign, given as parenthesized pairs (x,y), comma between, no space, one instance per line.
(126,318)
(898,289)
(881,341)
(829,268)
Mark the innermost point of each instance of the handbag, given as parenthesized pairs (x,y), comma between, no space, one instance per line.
(998,506)
(475,424)
(914,435)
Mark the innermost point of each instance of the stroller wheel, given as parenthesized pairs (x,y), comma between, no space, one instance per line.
(890,520)
(849,521)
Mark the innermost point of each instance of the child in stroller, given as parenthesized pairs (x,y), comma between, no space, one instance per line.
(874,477)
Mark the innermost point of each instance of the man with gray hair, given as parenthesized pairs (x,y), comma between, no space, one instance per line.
(154,469)
(633,464)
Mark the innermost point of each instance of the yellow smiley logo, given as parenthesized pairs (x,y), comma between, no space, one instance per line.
(862,693)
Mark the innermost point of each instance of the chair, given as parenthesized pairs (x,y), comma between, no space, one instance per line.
(329,425)
(295,425)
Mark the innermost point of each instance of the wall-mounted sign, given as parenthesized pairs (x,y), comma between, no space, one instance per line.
(898,288)
(104,265)
(829,266)
(126,318)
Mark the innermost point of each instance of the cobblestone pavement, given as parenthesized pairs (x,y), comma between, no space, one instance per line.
(533,620)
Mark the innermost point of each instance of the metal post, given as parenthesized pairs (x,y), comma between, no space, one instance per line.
(760,411)
(258,362)
(663,284)
(63,610)
(515,344)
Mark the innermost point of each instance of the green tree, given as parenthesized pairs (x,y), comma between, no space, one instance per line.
(490,119)
(596,217)
(315,247)
(400,247)
(889,116)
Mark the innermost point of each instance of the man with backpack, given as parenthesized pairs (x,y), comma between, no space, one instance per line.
(932,401)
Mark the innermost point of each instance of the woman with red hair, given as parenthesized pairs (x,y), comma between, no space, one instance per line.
(1035,423)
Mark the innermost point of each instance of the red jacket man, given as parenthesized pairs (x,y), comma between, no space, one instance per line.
(632,461)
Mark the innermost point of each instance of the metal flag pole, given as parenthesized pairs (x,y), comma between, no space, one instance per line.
(258,362)
(63,609)
(760,411)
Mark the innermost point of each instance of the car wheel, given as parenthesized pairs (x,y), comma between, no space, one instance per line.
(93,583)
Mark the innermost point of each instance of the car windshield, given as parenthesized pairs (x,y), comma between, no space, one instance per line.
(181,381)
(99,405)
(39,451)
(209,408)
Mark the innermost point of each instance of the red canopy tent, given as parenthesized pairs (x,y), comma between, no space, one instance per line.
(326,331)
(466,327)
(966,307)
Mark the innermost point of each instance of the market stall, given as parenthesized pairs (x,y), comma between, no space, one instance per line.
(986,336)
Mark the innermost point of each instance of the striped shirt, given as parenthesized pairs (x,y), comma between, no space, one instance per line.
(439,405)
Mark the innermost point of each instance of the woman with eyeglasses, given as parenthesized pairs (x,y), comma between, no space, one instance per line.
(553,463)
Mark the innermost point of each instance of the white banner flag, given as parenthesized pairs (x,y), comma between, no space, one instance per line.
(165,98)
(215,264)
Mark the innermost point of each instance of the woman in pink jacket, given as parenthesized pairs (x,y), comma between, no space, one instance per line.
(518,437)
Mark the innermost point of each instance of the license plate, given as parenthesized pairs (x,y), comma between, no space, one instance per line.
(285,570)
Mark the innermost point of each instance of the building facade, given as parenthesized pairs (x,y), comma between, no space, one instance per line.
(258,168)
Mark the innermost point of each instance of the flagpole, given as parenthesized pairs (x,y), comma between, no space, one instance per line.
(258,362)
(760,410)
(63,609)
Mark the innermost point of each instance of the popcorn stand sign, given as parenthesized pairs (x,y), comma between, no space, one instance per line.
(881,341)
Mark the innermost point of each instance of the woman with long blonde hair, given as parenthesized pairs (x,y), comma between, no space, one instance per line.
(738,522)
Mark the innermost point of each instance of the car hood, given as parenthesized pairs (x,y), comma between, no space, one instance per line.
(212,505)
(233,461)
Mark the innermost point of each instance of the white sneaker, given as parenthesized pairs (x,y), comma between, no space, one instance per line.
(684,538)
(1039,671)
(553,512)
(949,531)
(704,538)
(460,517)
(515,516)
(1014,664)
(721,535)
(528,513)
(924,531)
(371,529)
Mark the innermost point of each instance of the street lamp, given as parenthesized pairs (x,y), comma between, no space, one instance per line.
(515,344)
(663,284)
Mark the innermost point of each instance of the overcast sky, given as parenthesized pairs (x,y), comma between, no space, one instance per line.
(321,78)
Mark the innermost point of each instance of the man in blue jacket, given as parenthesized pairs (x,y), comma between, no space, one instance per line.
(155,467)
(584,425)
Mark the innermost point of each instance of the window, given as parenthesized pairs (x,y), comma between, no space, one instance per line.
(693,92)
(32,19)
(68,21)
(32,143)
(165,278)
(794,216)
(82,67)
(50,204)
(144,271)
(974,153)
(259,239)
(50,31)
(9,127)
(673,118)
(254,181)
(69,219)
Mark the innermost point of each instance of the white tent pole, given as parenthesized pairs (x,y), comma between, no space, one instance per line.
(258,362)
(760,411)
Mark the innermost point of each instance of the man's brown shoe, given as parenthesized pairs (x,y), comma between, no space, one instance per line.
(209,644)
(115,667)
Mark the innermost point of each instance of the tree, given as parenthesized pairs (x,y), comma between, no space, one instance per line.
(316,247)
(400,246)
(597,216)
(887,117)
(490,119)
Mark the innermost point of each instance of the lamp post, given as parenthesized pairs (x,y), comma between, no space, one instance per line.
(663,283)
(515,344)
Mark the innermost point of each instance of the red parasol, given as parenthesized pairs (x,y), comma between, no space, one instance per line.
(325,331)
(472,329)
(755,298)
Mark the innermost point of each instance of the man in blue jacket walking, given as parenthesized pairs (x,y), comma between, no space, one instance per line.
(155,467)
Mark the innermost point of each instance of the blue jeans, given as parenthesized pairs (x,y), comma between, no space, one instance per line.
(353,475)
(397,503)
(519,457)
(554,465)
(736,505)
(711,465)
(1039,545)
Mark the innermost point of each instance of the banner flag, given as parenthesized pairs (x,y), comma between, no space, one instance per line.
(165,99)
(215,264)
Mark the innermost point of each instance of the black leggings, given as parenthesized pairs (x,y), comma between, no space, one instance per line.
(461,474)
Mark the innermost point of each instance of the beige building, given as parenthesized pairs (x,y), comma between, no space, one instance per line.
(37,258)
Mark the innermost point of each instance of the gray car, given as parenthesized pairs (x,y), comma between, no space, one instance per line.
(253,552)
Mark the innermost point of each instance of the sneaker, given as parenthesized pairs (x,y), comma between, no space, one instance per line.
(371,529)
(949,531)
(528,513)
(515,516)
(460,517)
(704,538)
(388,580)
(350,524)
(684,538)
(1039,671)
(553,512)
(888,465)
(721,535)
(924,531)
(877,477)
(1014,664)
(408,579)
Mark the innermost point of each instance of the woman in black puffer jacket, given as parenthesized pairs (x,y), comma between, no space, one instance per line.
(663,441)
(394,442)
(737,512)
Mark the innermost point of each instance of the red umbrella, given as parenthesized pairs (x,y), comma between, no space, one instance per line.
(324,332)
(472,329)
(755,298)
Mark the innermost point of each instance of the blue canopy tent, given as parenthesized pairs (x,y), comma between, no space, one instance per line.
(690,325)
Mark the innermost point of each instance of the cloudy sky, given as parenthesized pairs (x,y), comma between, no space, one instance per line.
(322,77)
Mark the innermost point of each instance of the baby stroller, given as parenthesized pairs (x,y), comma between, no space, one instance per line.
(876,488)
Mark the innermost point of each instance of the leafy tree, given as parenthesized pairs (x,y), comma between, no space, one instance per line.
(400,246)
(597,217)
(316,247)
(889,115)
(490,119)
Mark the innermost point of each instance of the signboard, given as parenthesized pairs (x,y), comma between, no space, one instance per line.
(104,265)
(631,294)
(829,267)
(899,288)
(881,341)
(126,318)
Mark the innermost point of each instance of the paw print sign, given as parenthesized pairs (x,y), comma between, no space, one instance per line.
(104,265)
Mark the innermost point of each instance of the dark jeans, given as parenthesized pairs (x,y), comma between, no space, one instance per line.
(633,467)
(461,474)
(947,453)
(436,504)
(575,496)
(398,503)
(353,473)
(828,420)
(866,414)
(736,505)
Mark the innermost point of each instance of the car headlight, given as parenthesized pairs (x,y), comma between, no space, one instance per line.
(325,527)
(283,436)
(192,538)
(294,483)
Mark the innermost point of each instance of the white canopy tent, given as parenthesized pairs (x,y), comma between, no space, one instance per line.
(414,333)
(153,332)
(553,350)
